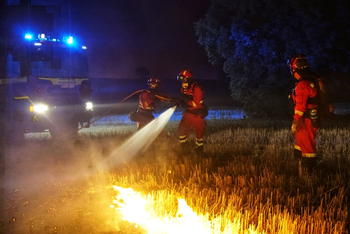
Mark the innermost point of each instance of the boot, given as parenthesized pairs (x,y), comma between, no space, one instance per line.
(309,164)
(300,168)
(297,154)
(298,157)
(199,151)
(184,148)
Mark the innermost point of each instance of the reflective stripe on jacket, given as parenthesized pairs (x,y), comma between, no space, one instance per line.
(195,93)
(304,90)
(147,100)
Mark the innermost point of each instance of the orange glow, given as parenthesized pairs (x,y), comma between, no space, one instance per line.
(145,211)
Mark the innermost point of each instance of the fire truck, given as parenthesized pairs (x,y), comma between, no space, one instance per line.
(44,83)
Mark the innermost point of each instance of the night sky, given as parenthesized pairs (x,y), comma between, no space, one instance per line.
(122,35)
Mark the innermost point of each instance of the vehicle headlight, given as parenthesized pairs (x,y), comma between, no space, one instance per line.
(39,108)
(89,106)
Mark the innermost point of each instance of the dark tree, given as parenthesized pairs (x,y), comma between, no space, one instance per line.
(255,38)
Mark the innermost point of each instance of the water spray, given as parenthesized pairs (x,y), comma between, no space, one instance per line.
(140,141)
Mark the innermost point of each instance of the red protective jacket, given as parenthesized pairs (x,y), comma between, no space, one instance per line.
(304,90)
(195,96)
(302,95)
(147,100)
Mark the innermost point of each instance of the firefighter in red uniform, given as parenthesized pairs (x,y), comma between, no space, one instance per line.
(194,114)
(306,111)
(147,102)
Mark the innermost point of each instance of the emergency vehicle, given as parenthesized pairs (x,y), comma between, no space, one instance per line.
(44,81)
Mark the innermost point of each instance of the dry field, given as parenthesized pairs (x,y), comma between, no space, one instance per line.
(247,182)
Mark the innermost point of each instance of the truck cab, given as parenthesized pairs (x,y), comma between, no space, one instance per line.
(44,82)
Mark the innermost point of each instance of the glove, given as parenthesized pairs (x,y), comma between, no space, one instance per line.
(182,102)
(294,127)
(178,101)
(331,108)
(185,105)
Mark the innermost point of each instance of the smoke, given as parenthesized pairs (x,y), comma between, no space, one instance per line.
(41,162)
(48,185)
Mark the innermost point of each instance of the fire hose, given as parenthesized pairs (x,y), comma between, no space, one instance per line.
(110,109)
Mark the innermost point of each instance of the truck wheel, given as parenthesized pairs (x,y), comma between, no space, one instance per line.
(64,131)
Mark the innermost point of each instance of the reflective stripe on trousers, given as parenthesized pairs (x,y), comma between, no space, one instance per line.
(183,139)
(199,142)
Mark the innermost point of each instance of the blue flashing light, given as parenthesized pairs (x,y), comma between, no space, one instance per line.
(42,36)
(70,40)
(83,47)
(28,36)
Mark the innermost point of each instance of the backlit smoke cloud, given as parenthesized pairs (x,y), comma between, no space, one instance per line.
(139,142)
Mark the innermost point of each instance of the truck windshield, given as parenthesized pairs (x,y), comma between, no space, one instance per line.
(57,61)
(52,60)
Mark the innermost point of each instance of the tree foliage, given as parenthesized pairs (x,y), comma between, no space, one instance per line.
(255,38)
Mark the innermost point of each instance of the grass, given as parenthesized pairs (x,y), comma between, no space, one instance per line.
(247,182)
(251,171)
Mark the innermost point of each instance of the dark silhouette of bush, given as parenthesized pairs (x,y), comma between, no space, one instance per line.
(255,38)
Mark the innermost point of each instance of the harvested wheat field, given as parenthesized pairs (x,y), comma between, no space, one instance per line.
(109,181)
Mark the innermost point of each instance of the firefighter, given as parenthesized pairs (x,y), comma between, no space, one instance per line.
(194,113)
(306,98)
(147,101)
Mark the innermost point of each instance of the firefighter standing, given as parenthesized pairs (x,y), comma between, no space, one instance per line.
(194,114)
(306,99)
(147,102)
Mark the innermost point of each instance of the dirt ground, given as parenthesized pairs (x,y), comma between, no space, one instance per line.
(56,188)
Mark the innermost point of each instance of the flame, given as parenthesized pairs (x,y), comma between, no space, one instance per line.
(142,211)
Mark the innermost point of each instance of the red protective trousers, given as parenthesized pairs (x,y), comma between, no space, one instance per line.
(305,139)
(190,120)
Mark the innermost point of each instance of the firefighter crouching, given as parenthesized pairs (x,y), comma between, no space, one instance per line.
(147,101)
(194,113)
(308,98)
